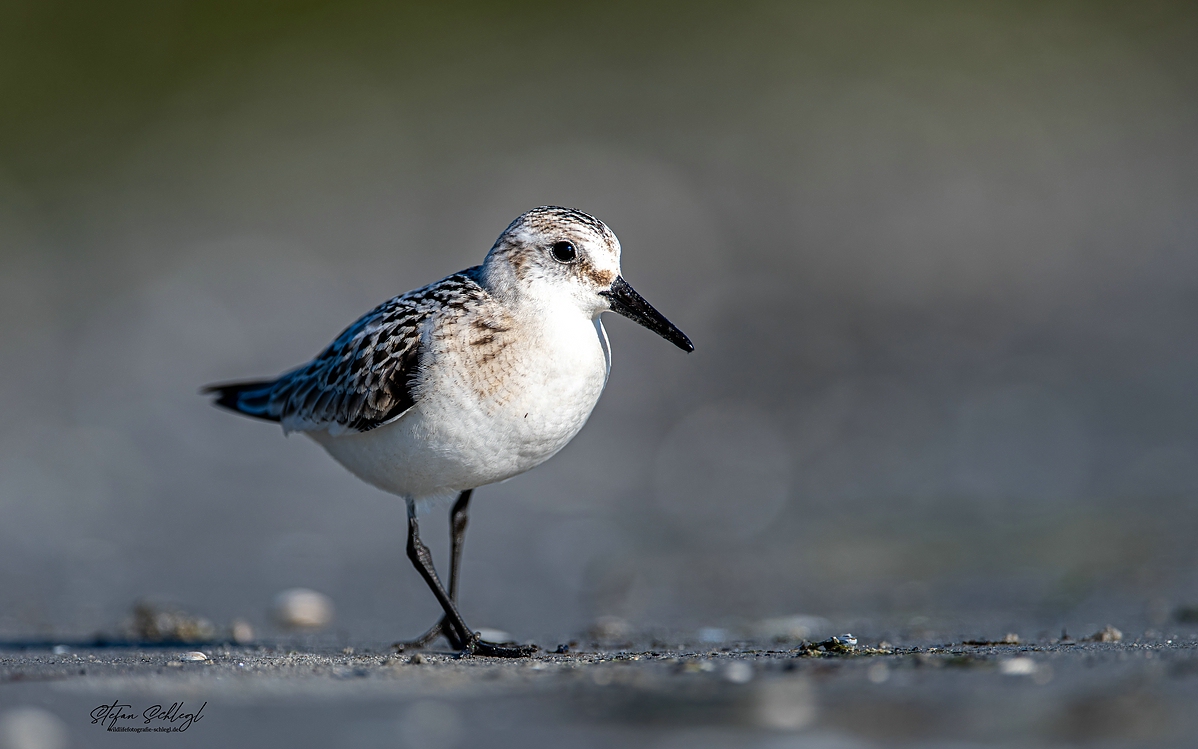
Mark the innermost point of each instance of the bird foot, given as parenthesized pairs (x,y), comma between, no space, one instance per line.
(476,645)
(498,649)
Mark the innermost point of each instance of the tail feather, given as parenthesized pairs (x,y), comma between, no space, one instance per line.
(248,398)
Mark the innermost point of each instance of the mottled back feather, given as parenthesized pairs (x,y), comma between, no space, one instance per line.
(365,378)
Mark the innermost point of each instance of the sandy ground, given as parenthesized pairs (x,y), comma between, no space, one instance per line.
(1140,692)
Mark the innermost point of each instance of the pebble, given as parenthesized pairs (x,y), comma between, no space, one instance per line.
(300,608)
(242,631)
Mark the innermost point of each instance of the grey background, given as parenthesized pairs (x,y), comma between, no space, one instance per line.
(938,262)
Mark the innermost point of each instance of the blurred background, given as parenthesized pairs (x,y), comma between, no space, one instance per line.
(938,261)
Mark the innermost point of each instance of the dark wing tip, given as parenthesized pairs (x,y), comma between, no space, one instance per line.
(248,398)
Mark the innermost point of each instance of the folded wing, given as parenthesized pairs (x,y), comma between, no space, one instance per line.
(367,377)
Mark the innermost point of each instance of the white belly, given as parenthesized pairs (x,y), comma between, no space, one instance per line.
(478,422)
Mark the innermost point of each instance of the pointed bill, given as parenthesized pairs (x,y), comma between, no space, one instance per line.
(625,301)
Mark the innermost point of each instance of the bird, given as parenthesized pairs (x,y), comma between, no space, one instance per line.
(465,382)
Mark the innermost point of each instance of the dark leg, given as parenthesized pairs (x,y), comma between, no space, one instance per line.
(458,634)
(451,625)
(457,539)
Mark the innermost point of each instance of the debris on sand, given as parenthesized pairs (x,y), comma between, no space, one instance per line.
(1106,634)
(160,624)
(842,644)
(1009,638)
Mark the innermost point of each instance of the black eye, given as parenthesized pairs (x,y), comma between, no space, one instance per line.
(563,252)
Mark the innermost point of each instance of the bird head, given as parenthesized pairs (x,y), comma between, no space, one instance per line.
(562,253)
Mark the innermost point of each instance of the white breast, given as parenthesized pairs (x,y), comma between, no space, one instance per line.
(486,412)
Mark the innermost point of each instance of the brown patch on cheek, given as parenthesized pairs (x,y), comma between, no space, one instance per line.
(600,277)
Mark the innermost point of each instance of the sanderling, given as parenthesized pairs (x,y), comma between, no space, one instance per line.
(468,381)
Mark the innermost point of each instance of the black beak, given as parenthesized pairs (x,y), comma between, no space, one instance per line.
(625,301)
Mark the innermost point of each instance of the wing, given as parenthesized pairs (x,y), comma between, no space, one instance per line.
(367,377)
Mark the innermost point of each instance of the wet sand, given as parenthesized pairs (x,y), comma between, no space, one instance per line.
(1138,691)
